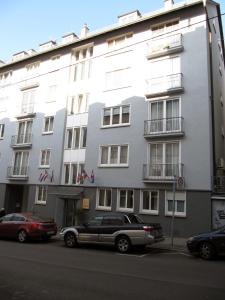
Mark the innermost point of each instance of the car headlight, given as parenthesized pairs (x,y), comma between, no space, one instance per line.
(191,239)
(62,230)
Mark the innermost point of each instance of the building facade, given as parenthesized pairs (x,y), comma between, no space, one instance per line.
(115,120)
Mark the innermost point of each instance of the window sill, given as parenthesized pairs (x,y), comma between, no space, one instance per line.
(125,210)
(115,126)
(149,212)
(105,208)
(117,88)
(47,132)
(44,167)
(175,215)
(75,114)
(114,166)
(40,203)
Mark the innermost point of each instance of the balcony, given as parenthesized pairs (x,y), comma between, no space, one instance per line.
(17,173)
(165,46)
(163,127)
(21,141)
(26,111)
(161,172)
(165,85)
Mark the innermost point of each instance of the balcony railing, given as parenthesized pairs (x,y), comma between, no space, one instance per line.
(164,46)
(219,184)
(27,109)
(166,85)
(20,173)
(22,140)
(163,172)
(168,126)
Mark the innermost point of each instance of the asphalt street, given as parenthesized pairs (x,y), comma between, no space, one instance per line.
(38,270)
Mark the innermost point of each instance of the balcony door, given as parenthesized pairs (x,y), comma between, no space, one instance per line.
(20,163)
(156,160)
(24,132)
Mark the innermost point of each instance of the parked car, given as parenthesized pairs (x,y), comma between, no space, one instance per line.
(24,226)
(122,231)
(208,245)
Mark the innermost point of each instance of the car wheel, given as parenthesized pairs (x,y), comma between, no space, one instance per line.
(70,240)
(206,251)
(123,244)
(22,236)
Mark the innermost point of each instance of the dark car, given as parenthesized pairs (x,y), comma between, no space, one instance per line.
(121,230)
(24,226)
(208,245)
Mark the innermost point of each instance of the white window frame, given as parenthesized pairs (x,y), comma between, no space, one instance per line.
(179,196)
(48,120)
(118,164)
(112,84)
(149,211)
(28,101)
(80,167)
(2,131)
(103,207)
(21,162)
(120,124)
(164,26)
(124,40)
(73,140)
(5,77)
(44,194)
(80,105)
(45,152)
(124,209)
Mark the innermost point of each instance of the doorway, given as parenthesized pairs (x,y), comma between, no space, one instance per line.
(70,206)
(16,198)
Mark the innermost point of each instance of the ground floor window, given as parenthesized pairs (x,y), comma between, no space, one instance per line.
(74,173)
(180,204)
(125,200)
(41,194)
(149,202)
(104,199)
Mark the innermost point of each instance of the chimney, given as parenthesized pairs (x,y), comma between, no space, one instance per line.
(168,4)
(84,31)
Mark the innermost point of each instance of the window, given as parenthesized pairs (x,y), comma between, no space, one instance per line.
(45,158)
(77,104)
(149,202)
(32,68)
(104,199)
(52,93)
(116,116)
(5,77)
(28,101)
(180,204)
(2,129)
(114,155)
(55,60)
(24,132)
(41,194)
(3,104)
(48,125)
(81,58)
(119,40)
(118,79)
(20,167)
(125,200)
(165,27)
(74,173)
(76,138)
(83,137)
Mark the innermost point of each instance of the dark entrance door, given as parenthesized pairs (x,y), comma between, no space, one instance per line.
(14,198)
(69,212)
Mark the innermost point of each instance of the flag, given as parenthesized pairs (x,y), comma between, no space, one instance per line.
(92,177)
(40,177)
(45,176)
(52,176)
(84,174)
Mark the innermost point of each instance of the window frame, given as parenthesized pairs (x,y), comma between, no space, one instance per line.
(124,209)
(2,131)
(44,194)
(103,207)
(46,151)
(111,42)
(148,211)
(118,164)
(111,108)
(48,118)
(80,166)
(176,213)
(72,101)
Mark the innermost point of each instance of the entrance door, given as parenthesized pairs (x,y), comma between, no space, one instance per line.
(14,200)
(69,212)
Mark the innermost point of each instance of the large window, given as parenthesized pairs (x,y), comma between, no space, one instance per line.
(119,41)
(104,199)
(76,137)
(116,116)
(24,132)
(125,200)
(74,173)
(149,202)
(45,158)
(32,68)
(48,124)
(179,204)
(20,167)
(2,129)
(118,79)
(114,155)
(164,159)
(28,101)
(77,104)
(81,59)
(5,77)
(41,194)
(165,27)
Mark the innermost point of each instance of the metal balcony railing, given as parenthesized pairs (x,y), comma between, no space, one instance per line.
(163,126)
(21,140)
(166,44)
(17,172)
(27,109)
(165,84)
(162,171)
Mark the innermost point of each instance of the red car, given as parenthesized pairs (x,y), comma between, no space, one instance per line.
(24,226)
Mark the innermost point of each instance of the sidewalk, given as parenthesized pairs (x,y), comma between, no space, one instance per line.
(179,244)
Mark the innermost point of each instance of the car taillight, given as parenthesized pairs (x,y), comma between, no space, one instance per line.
(148,228)
(35,225)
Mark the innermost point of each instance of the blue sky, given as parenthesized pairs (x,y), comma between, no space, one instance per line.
(24,24)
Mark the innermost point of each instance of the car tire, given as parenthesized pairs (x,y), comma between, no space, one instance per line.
(206,251)
(123,244)
(70,240)
(22,236)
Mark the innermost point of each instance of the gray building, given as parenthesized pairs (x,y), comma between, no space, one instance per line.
(114,120)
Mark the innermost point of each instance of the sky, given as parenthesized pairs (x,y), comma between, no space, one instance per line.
(24,24)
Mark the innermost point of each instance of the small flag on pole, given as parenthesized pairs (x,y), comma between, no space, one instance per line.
(92,177)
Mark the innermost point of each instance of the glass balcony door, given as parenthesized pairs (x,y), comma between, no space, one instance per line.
(20,163)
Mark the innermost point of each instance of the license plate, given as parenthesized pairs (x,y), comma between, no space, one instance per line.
(51,232)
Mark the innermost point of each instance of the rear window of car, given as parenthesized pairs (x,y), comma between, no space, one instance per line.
(18,218)
(112,221)
(7,218)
